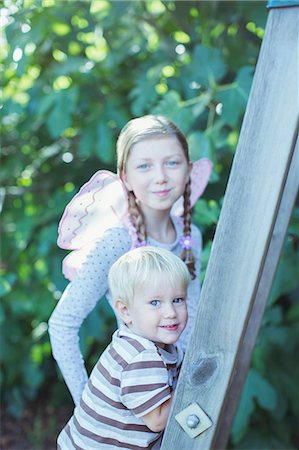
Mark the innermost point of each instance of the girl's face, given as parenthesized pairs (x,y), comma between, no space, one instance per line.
(157,171)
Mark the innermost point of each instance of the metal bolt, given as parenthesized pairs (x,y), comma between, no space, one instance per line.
(192,421)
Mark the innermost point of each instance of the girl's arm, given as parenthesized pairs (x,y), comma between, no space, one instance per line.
(156,419)
(77,301)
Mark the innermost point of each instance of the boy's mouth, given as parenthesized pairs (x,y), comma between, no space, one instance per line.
(173,327)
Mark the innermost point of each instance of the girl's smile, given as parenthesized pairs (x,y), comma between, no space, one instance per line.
(163,193)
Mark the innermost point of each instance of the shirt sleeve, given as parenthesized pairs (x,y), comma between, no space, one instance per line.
(77,301)
(144,383)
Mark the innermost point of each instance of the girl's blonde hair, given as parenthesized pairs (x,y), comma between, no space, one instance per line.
(140,129)
(139,267)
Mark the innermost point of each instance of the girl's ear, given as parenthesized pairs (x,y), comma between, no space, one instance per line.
(124,179)
(190,165)
(123,311)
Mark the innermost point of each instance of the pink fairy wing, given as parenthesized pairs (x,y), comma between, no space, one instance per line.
(74,260)
(100,204)
(200,174)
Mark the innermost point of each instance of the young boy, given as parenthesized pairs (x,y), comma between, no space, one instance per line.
(126,402)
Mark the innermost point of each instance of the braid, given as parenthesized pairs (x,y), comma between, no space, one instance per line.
(187,255)
(136,218)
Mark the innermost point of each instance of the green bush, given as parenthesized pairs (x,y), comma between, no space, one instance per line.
(74,72)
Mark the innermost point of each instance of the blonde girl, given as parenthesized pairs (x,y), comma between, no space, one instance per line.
(148,202)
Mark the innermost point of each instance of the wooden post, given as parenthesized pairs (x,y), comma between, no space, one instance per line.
(258,202)
(262,293)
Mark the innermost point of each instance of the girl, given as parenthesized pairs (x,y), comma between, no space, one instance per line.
(112,214)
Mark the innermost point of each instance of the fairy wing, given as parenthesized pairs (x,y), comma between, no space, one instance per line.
(100,204)
(200,174)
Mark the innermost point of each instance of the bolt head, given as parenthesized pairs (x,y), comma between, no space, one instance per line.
(192,421)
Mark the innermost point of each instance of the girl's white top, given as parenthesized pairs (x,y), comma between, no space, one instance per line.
(91,284)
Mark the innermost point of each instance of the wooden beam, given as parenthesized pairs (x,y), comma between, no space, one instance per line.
(239,258)
(230,405)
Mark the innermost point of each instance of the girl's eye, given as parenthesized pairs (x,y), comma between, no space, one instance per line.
(143,166)
(178,300)
(155,302)
(172,163)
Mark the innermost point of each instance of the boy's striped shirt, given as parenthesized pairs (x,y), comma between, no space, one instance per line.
(132,377)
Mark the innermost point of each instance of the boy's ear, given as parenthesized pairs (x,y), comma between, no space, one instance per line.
(123,311)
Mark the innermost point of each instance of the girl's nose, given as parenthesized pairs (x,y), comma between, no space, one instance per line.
(160,176)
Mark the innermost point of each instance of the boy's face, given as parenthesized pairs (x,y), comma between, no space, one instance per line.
(158,310)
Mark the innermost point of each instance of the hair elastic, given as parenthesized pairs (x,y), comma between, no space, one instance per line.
(186,242)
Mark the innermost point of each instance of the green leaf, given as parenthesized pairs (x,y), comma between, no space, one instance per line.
(46,103)
(234,96)
(199,146)
(287,275)
(5,287)
(60,116)
(172,107)
(104,147)
(262,390)
(244,412)
(60,28)
(293,313)
(87,140)
(16,404)
(144,94)
(206,212)
(207,65)
(256,389)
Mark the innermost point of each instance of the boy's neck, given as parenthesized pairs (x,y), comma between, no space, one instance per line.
(157,344)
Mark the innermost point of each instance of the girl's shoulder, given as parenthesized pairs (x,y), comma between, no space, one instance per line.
(119,234)
(195,231)
(196,238)
(114,238)
(103,250)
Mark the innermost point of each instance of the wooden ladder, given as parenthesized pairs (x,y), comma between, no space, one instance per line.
(258,202)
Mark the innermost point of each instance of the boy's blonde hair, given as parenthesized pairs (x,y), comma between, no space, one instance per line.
(140,266)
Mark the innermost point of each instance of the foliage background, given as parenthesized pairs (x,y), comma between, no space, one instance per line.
(73,73)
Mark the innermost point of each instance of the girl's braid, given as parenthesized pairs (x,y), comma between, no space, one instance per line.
(187,255)
(136,218)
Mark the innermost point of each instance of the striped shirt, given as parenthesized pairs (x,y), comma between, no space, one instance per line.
(132,377)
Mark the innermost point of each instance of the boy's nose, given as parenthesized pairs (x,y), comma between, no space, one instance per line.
(169,311)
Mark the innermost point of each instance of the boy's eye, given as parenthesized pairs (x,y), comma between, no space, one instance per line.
(178,300)
(155,302)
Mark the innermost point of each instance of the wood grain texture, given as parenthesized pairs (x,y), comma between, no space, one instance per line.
(244,232)
(262,293)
